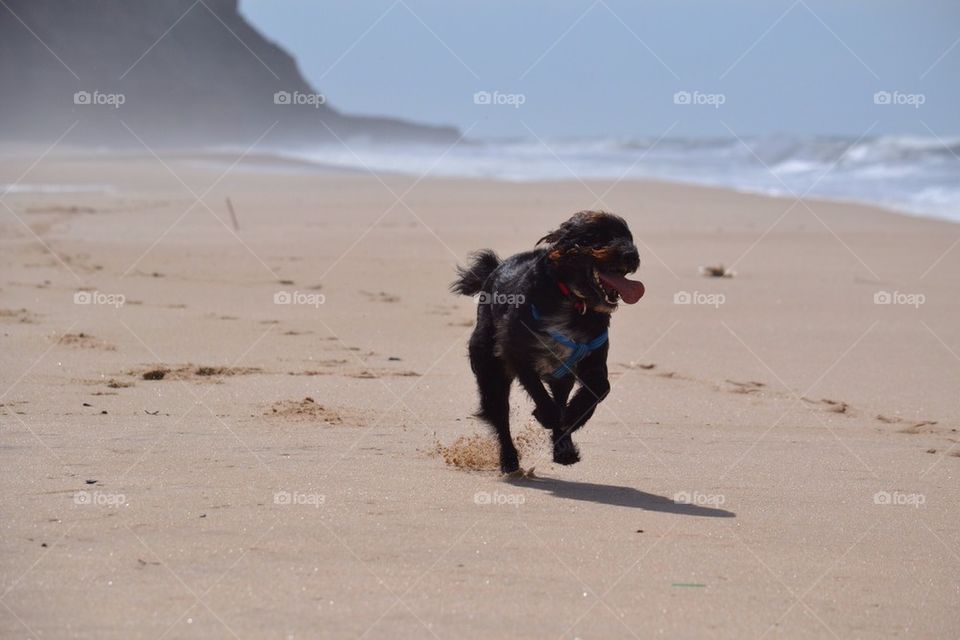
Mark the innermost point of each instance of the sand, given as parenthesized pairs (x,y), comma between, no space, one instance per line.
(778,458)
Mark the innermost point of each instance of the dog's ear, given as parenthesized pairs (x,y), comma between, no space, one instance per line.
(562,232)
(551,237)
(561,240)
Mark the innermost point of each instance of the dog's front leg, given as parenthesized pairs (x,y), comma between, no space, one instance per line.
(547,412)
(594,387)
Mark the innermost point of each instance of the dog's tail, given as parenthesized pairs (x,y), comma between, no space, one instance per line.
(470,279)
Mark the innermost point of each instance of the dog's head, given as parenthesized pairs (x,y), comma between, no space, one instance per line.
(592,253)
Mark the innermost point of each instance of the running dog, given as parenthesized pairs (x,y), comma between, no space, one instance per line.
(542,319)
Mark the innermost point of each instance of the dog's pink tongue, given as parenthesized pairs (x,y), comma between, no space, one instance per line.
(629,290)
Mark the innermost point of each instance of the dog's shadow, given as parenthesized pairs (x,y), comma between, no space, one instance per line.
(617,496)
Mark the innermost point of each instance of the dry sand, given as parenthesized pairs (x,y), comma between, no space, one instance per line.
(288,476)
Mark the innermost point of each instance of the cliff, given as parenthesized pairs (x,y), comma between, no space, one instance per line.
(177,72)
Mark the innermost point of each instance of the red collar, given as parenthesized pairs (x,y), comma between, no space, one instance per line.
(579,304)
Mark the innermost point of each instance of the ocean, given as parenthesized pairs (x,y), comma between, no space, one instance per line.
(910,174)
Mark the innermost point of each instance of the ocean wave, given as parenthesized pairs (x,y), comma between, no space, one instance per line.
(909,173)
(43,188)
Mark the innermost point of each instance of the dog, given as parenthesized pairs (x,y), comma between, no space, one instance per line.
(542,319)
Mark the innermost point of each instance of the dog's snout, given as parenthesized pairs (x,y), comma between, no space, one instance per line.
(631,258)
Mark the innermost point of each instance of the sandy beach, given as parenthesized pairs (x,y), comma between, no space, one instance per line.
(259,425)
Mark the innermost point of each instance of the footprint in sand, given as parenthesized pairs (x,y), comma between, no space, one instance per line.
(667,374)
(309,410)
(638,365)
(332,363)
(649,366)
(834,406)
(366,374)
(21,316)
(192,372)
(750,386)
(58,208)
(12,407)
(81,262)
(382,296)
(442,310)
(111,383)
(83,341)
(925,426)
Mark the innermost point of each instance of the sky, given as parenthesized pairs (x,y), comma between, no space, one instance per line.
(626,68)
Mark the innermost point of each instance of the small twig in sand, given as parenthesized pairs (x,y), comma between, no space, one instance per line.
(233,215)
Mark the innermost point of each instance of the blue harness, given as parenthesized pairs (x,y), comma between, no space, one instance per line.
(580,349)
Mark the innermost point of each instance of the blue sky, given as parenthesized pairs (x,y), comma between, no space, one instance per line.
(612,67)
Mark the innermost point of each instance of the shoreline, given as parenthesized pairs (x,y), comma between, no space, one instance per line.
(279,163)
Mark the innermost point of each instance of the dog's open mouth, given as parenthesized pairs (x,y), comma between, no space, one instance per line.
(616,286)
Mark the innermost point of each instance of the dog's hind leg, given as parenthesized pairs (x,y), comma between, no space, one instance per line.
(494,386)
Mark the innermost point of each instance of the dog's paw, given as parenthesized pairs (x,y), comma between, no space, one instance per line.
(549,416)
(509,464)
(565,452)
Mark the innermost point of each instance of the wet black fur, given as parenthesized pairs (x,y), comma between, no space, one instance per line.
(508,344)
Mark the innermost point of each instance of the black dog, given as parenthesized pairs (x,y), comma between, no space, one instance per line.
(542,317)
